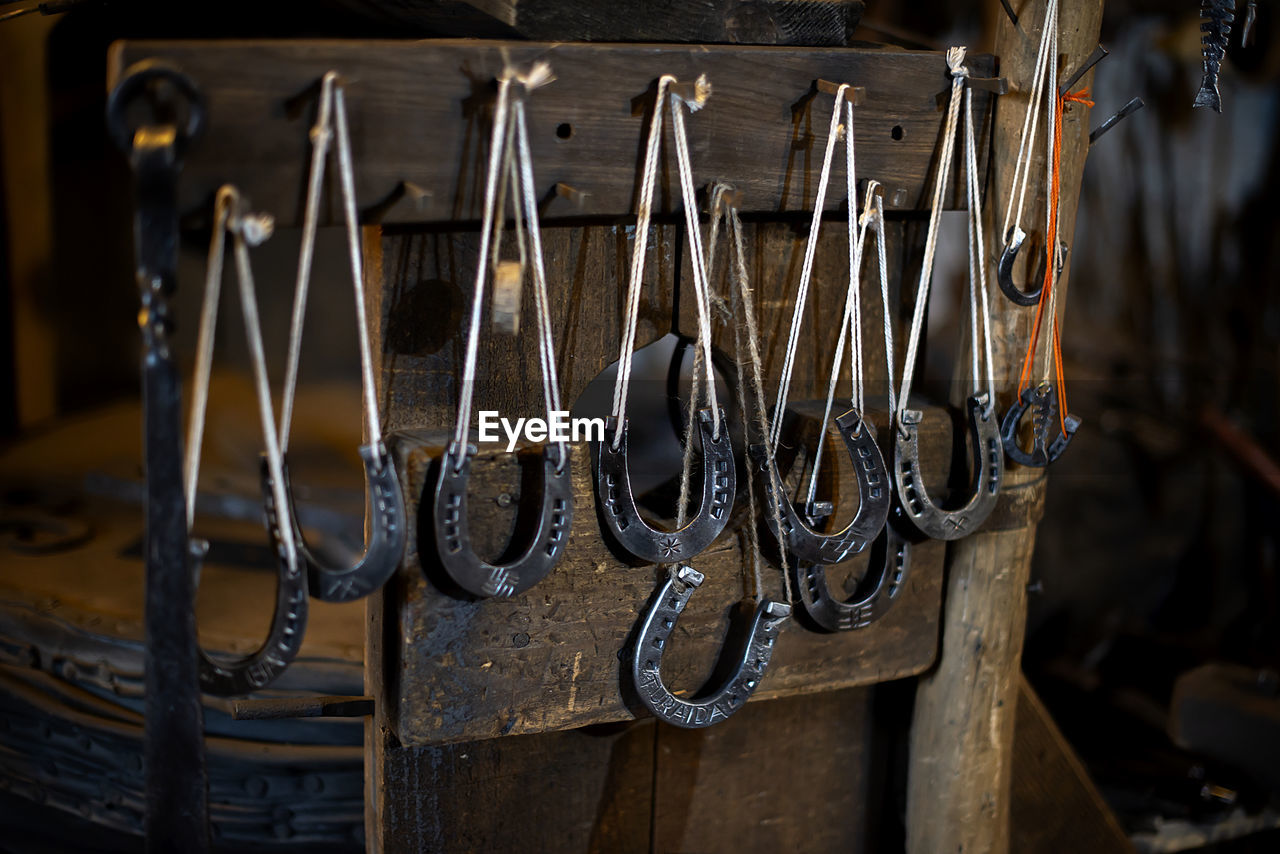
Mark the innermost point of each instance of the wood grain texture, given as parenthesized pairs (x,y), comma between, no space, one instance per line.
(962,738)
(549,659)
(419,113)
(799,22)
(1055,808)
(789,774)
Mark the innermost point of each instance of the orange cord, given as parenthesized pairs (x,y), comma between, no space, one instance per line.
(1051,241)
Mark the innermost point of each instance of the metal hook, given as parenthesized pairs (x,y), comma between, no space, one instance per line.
(1127,110)
(1043,402)
(889,567)
(988,469)
(1099,53)
(1009,256)
(656,626)
(797,536)
(618,506)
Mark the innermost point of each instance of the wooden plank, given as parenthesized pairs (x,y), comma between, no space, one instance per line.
(549,659)
(787,775)
(808,22)
(587,790)
(419,113)
(962,732)
(1054,806)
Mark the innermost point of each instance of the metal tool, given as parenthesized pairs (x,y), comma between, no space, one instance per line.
(177,809)
(387,530)
(1127,110)
(656,626)
(510,162)
(890,564)
(1217,17)
(1042,401)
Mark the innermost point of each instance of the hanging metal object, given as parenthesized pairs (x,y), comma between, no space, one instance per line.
(510,163)
(384,546)
(889,566)
(799,538)
(177,809)
(289,616)
(1217,17)
(656,627)
(802,541)
(612,474)
(1042,402)
(914,502)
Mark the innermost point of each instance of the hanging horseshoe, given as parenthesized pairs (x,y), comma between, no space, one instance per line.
(618,505)
(1004,270)
(288,620)
(453,536)
(659,620)
(383,549)
(509,160)
(988,468)
(801,540)
(1042,401)
(387,529)
(875,594)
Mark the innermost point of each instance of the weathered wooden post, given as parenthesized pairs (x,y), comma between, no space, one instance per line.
(962,732)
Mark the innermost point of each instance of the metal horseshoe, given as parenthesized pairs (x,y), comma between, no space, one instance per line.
(651,640)
(452,531)
(797,536)
(876,593)
(288,619)
(1042,401)
(988,468)
(387,530)
(453,536)
(1004,268)
(618,505)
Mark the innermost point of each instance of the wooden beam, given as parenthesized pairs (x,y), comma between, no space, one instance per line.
(419,122)
(798,22)
(962,733)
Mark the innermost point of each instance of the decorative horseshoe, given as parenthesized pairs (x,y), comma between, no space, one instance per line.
(891,554)
(988,467)
(618,505)
(1043,403)
(381,553)
(453,536)
(651,640)
(801,540)
(288,622)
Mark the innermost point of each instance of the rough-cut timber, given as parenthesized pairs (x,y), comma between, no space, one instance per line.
(548,659)
(798,22)
(419,115)
(962,733)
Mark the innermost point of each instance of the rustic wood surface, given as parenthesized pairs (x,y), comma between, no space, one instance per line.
(800,766)
(808,22)
(962,736)
(549,658)
(1054,807)
(419,122)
